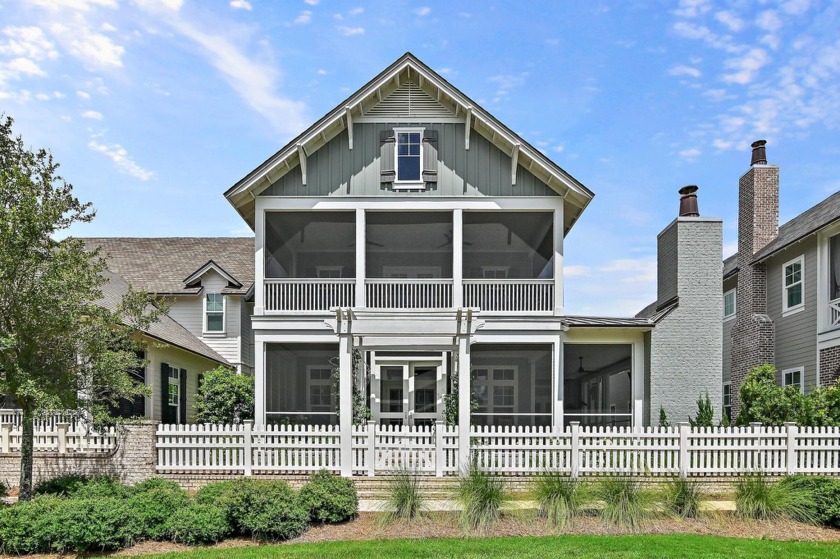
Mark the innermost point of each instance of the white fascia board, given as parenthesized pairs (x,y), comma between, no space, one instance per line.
(211,265)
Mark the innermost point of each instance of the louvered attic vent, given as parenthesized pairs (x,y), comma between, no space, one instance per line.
(408,100)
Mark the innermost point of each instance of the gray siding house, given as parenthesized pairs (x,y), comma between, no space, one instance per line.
(782,288)
(415,242)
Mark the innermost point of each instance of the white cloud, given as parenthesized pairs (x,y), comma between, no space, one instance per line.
(78,5)
(693,8)
(83,94)
(322,72)
(107,27)
(576,271)
(27,42)
(304,17)
(796,7)
(769,20)
(506,82)
(423,11)
(745,68)
(632,270)
(93,115)
(356,11)
(312,2)
(121,159)
(559,148)
(690,153)
(350,31)
(730,20)
(683,70)
(241,5)
(17,67)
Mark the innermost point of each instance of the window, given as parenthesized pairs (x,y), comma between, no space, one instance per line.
(834,268)
(174,387)
(793,377)
(495,272)
(495,390)
(729,304)
(319,388)
(214,310)
(328,271)
(409,155)
(792,285)
(727,400)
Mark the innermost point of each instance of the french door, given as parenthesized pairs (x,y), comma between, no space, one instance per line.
(409,393)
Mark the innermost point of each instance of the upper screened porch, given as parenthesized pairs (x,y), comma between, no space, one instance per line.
(500,261)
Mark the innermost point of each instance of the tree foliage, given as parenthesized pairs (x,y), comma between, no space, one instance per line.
(60,348)
(225,397)
(764,401)
(361,375)
(705,413)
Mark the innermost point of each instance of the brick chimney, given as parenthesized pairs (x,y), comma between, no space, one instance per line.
(753,336)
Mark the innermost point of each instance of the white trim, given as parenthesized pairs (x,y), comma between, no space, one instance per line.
(734,292)
(211,265)
(319,269)
(177,384)
(723,405)
(417,184)
(786,310)
(204,330)
(310,382)
(491,383)
(801,371)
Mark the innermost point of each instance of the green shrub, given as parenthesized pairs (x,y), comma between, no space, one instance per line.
(199,524)
(99,487)
(96,524)
(626,502)
(154,502)
(682,497)
(559,497)
(274,513)
(481,495)
(758,498)
(224,396)
(824,497)
(66,484)
(329,498)
(4,489)
(268,510)
(30,526)
(404,499)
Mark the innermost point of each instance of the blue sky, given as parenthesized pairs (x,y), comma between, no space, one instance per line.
(155,107)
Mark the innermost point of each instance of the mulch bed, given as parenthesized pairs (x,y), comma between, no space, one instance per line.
(369,526)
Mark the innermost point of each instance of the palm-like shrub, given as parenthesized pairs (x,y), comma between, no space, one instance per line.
(682,497)
(404,500)
(626,502)
(559,497)
(759,499)
(481,495)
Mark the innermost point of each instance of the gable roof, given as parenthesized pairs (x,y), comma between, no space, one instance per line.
(806,223)
(165,329)
(409,69)
(160,264)
(730,266)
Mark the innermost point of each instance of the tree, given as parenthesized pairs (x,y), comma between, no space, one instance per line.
(762,399)
(705,413)
(663,418)
(224,397)
(59,349)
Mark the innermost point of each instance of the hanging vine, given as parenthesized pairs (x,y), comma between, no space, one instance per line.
(361,372)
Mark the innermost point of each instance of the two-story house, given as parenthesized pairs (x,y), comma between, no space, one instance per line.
(412,229)
(782,287)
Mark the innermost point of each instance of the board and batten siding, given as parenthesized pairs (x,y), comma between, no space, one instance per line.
(247,337)
(336,170)
(181,359)
(730,283)
(188,311)
(796,334)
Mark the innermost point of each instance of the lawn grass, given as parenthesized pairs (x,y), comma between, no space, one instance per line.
(576,547)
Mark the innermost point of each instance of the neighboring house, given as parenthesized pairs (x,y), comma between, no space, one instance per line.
(175,359)
(782,287)
(412,226)
(207,282)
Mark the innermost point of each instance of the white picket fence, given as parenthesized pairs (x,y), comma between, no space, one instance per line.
(53,435)
(576,451)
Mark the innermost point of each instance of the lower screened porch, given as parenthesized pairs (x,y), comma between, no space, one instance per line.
(510,384)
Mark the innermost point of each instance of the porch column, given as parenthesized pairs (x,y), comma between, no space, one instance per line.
(259,259)
(457,258)
(259,382)
(557,384)
(345,391)
(558,259)
(361,249)
(464,393)
(638,386)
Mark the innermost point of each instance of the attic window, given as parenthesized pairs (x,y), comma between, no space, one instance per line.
(409,156)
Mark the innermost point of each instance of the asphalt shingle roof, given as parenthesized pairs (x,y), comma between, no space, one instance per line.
(165,329)
(160,264)
(803,225)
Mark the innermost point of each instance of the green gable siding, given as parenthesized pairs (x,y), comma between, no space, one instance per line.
(335,170)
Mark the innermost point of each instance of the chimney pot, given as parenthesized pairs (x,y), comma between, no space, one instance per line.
(688,201)
(759,153)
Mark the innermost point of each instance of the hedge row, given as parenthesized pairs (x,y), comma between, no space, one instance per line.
(75,513)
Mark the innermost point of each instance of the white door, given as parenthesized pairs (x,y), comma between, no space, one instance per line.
(410,393)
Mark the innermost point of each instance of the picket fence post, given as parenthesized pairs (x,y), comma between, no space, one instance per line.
(791,430)
(574,454)
(62,437)
(439,455)
(5,437)
(684,428)
(371,447)
(246,450)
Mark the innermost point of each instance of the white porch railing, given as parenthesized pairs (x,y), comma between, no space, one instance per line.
(391,293)
(309,294)
(834,309)
(509,295)
(248,449)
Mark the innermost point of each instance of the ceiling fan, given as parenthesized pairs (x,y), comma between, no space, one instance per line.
(581,370)
(448,238)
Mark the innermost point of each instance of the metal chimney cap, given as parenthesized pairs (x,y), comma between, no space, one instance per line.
(758,143)
(759,153)
(689,189)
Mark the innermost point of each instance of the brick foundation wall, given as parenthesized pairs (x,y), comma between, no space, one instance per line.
(133,460)
(829,366)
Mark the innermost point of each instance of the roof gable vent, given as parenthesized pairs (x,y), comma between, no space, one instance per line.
(409,101)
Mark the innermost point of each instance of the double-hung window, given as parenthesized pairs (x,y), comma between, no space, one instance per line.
(793,285)
(729,301)
(793,377)
(409,157)
(173,391)
(727,400)
(214,312)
